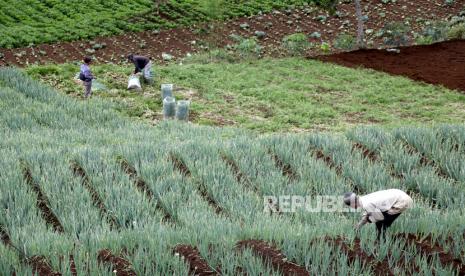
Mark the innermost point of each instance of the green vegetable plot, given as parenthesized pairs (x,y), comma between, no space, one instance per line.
(24,22)
(132,199)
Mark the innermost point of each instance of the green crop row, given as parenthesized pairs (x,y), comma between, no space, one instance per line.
(49,131)
(26,22)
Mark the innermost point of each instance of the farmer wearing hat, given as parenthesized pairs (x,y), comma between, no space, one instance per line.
(381,208)
(142,64)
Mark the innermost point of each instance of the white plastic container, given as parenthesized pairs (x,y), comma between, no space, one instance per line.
(166,90)
(169,108)
(182,111)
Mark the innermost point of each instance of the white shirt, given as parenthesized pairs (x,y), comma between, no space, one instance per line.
(392,201)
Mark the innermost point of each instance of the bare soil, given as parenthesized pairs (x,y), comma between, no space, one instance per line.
(42,201)
(439,64)
(72,266)
(278,24)
(120,266)
(273,256)
(197,264)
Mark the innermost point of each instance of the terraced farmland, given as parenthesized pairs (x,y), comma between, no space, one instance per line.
(84,191)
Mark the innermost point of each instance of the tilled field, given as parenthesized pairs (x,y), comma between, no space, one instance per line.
(127,199)
(440,64)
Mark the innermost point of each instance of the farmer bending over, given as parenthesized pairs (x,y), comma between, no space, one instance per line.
(85,75)
(382,207)
(142,64)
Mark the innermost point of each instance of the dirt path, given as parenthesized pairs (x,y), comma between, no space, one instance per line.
(276,25)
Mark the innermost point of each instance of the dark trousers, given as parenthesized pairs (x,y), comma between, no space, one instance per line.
(383,225)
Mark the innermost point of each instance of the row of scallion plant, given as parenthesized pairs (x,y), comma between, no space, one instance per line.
(49,132)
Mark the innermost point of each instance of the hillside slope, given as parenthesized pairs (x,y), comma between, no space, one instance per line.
(77,178)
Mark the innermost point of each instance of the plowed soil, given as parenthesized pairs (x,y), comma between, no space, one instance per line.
(178,42)
(273,256)
(197,264)
(120,266)
(439,64)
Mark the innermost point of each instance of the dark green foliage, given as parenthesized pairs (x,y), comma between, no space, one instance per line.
(35,21)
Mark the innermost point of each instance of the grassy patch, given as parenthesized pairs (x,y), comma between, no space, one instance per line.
(275,94)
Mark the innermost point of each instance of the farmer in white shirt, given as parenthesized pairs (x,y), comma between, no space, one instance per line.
(382,207)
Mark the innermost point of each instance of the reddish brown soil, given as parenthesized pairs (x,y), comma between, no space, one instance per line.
(178,42)
(197,264)
(120,266)
(41,266)
(286,168)
(356,253)
(427,248)
(97,200)
(273,256)
(367,153)
(42,201)
(440,63)
(72,266)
